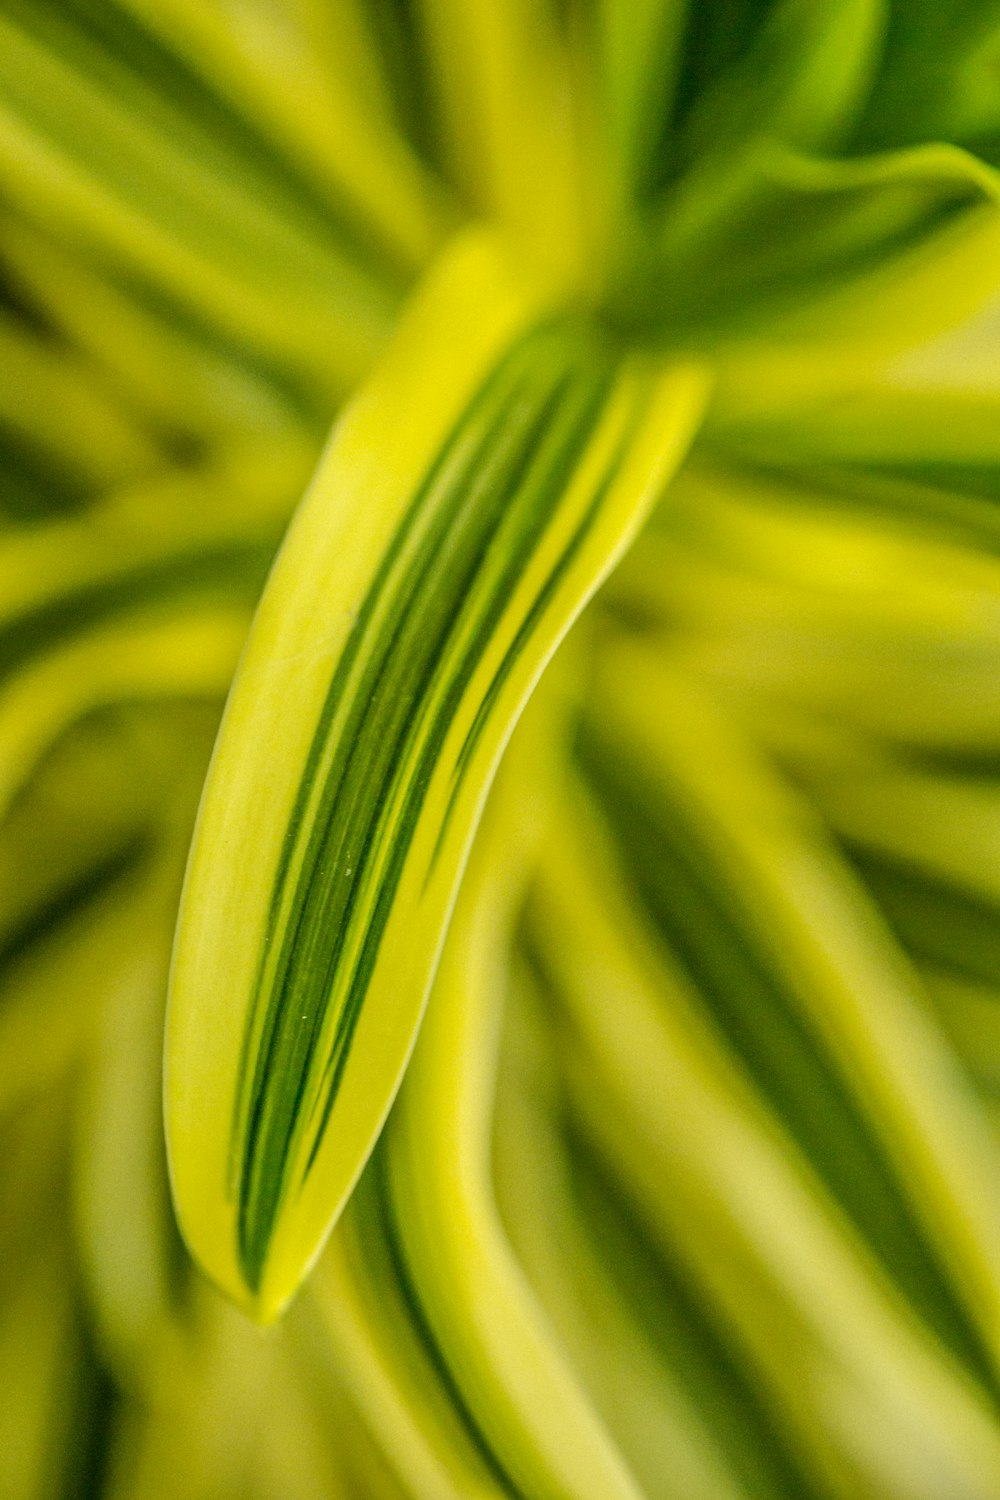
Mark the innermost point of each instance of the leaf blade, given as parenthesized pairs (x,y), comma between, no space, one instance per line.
(503,459)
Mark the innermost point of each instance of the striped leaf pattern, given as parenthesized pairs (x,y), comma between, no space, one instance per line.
(454,564)
(583,1032)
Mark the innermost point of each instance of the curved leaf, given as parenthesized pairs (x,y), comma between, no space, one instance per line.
(194,212)
(809,990)
(794,1305)
(514,1387)
(472,499)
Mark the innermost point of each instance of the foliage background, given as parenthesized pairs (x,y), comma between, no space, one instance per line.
(692,1187)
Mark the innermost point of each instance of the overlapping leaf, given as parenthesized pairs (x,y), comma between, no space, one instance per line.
(727,1227)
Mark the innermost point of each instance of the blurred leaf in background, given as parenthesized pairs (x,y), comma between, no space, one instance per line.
(596,1096)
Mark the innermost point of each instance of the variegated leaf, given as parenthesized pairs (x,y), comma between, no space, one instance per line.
(474,495)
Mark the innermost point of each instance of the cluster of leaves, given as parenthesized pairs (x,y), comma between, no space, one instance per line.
(666,332)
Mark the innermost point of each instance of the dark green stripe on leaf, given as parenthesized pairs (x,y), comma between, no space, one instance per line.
(935,920)
(381,1221)
(535,614)
(432,610)
(219,571)
(701,917)
(689,1332)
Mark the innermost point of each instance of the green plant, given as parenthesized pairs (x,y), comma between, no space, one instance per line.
(664,340)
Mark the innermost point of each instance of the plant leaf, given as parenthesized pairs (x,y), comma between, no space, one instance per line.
(90,142)
(734,872)
(473,497)
(722,1194)
(515,1390)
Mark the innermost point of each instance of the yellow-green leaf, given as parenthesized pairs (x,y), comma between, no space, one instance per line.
(515,1389)
(473,497)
